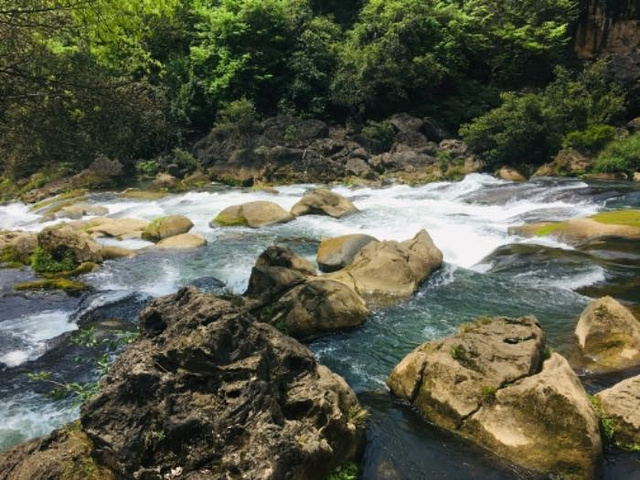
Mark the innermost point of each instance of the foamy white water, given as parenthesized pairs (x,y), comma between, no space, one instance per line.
(29,335)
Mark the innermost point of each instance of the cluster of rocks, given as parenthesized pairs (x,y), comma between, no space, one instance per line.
(285,290)
(286,149)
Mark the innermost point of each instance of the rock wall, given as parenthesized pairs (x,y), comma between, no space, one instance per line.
(608,26)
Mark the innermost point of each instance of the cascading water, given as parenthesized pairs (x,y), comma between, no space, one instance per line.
(483,275)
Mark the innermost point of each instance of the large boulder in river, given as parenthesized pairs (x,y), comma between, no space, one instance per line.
(252,214)
(323,202)
(609,334)
(165,227)
(58,241)
(620,404)
(491,384)
(388,271)
(284,291)
(276,270)
(317,306)
(339,252)
(210,392)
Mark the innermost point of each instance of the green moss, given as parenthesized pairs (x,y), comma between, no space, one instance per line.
(43,261)
(357,415)
(150,232)
(225,221)
(13,258)
(71,194)
(69,286)
(549,229)
(348,471)
(629,218)
(83,268)
(607,424)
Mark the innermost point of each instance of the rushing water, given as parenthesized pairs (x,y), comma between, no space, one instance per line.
(487,271)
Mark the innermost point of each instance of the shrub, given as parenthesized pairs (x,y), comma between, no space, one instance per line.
(237,119)
(591,140)
(529,128)
(43,261)
(348,471)
(381,133)
(147,168)
(620,156)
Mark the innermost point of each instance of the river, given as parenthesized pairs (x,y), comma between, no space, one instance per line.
(487,271)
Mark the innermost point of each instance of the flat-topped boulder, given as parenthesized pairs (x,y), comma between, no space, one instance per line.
(182,242)
(491,384)
(609,335)
(252,214)
(620,404)
(621,223)
(120,228)
(165,227)
(210,391)
(339,252)
(389,271)
(323,201)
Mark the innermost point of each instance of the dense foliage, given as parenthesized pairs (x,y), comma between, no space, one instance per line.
(134,80)
(529,127)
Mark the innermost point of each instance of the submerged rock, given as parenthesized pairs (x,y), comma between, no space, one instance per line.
(339,252)
(165,227)
(208,390)
(620,404)
(182,241)
(388,271)
(79,210)
(323,202)
(609,334)
(489,383)
(252,214)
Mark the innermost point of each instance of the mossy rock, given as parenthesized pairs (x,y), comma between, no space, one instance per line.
(10,257)
(165,227)
(224,220)
(630,218)
(64,284)
(83,268)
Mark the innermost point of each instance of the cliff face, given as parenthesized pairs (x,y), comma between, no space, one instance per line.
(608,26)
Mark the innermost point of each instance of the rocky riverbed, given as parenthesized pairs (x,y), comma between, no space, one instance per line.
(490,269)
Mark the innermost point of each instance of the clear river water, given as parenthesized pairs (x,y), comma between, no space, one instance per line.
(487,271)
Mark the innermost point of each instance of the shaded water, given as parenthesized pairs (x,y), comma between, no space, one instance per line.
(487,272)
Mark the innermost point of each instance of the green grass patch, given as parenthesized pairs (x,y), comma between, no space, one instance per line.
(629,218)
(549,229)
